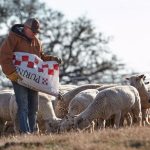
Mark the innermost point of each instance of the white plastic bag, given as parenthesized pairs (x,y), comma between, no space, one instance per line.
(37,74)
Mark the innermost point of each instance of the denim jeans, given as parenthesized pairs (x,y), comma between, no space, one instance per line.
(28,103)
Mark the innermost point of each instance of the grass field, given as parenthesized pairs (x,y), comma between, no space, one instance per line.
(108,139)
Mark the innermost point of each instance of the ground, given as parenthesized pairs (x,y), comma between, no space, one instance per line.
(108,139)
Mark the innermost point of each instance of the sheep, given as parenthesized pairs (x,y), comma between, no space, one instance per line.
(78,104)
(5,97)
(62,90)
(47,120)
(118,101)
(81,101)
(84,98)
(61,108)
(138,82)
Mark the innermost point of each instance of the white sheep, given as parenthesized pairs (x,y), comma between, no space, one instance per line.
(116,101)
(47,120)
(138,82)
(61,108)
(81,101)
(5,97)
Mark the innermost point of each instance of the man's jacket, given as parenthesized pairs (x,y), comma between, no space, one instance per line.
(17,41)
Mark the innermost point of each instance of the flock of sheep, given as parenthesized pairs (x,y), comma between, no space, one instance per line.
(87,107)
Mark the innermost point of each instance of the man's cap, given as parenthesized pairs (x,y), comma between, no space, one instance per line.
(33,24)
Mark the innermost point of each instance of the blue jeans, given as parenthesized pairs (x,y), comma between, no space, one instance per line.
(28,103)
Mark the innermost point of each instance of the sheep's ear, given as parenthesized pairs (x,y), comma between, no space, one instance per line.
(60,96)
(146,82)
(142,76)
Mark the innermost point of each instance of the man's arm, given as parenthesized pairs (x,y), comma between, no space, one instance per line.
(45,57)
(6,54)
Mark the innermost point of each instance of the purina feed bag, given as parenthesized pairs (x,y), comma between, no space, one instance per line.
(37,74)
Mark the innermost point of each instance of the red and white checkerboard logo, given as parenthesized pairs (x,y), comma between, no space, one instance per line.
(31,64)
(25,58)
(44,81)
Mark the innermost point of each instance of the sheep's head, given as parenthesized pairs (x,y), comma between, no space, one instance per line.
(52,125)
(137,80)
(67,124)
(81,123)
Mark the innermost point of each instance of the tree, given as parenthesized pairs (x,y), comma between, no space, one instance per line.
(85,53)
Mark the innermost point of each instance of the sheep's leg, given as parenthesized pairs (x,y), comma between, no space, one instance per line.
(125,116)
(117,119)
(128,119)
(6,126)
(121,121)
(110,121)
(2,127)
(15,120)
(9,127)
(137,118)
(101,123)
(136,111)
(91,129)
(145,117)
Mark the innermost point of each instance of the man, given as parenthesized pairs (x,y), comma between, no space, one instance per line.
(22,38)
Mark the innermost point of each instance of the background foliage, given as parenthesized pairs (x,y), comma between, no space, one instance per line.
(85,52)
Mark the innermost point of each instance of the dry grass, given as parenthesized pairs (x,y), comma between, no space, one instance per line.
(109,139)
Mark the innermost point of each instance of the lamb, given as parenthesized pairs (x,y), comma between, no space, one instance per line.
(84,98)
(61,108)
(47,120)
(81,101)
(117,101)
(138,82)
(5,97)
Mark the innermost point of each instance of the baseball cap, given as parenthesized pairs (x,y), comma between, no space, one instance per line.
(33,24)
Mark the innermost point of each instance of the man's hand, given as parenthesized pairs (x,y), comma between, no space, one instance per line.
(51,58)
(59,61)
(14,76)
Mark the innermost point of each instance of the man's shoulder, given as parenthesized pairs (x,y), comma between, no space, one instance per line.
(17,31)
(38,40)
(14,36)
